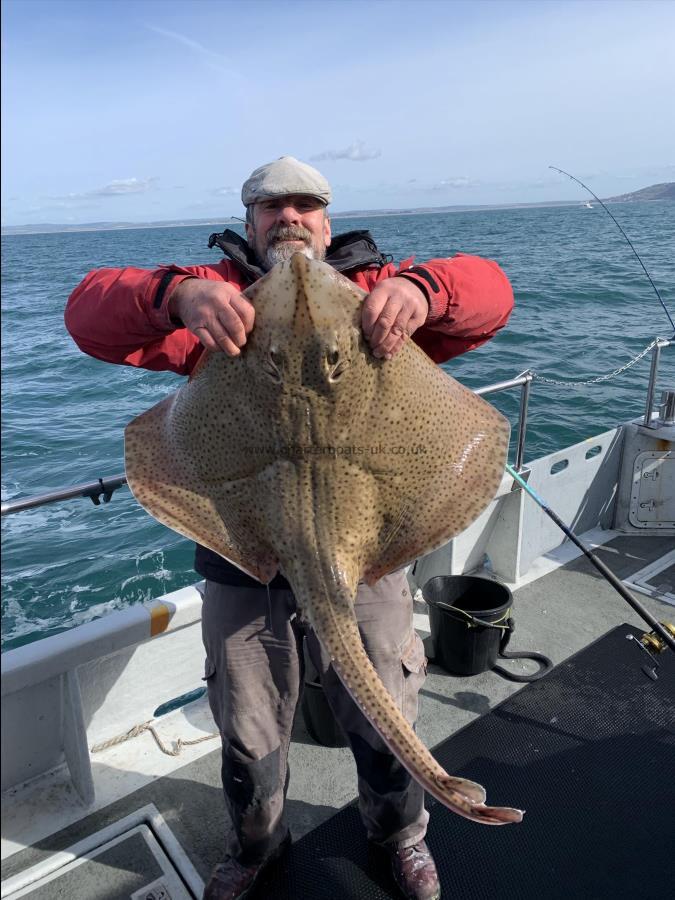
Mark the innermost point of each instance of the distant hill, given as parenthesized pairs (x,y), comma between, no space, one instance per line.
(665,191)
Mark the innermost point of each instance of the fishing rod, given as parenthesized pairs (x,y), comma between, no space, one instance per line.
(585,186)
(607,573)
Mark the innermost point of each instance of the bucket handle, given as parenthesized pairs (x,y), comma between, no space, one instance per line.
(472,621)
(507,629)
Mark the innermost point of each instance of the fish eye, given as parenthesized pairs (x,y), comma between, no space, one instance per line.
(272,365)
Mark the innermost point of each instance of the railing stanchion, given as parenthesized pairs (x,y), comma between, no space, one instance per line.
(653,374)
(522,420)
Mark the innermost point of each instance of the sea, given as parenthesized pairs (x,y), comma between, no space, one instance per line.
(584,307)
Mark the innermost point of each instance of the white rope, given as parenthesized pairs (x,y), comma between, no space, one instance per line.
(148,726)
(599,377)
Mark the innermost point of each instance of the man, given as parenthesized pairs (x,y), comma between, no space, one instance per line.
(164,319)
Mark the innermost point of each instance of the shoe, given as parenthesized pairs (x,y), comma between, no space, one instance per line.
(230,880)
(414,871)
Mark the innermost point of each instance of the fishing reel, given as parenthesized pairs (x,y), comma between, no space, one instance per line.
(654,642)
(650,643)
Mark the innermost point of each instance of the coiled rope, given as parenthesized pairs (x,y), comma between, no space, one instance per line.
(148,726)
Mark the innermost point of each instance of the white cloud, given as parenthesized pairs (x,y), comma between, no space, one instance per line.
(225,191)
(356,152)
(460,181)
(121,186)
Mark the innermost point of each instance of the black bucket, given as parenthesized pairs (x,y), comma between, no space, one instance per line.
(471,625)
(469,617)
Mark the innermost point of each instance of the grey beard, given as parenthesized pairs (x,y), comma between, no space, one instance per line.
(284,250)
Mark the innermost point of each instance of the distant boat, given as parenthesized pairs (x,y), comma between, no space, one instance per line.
(588,206)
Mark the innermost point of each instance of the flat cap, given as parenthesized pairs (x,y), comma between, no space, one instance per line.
(285,175)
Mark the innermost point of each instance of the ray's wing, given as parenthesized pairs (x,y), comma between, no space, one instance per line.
(195,460)
(442,460)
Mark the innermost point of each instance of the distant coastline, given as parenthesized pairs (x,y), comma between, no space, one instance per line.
(653,193)
(49,228)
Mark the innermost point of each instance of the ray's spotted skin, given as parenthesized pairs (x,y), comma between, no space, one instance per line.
(307,455)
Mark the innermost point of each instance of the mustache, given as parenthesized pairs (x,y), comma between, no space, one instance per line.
(279,233)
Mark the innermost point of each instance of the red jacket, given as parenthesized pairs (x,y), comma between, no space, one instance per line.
(112,314)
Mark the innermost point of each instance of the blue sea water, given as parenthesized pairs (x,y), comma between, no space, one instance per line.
(583,307)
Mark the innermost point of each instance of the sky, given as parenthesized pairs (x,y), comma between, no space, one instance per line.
(160,109)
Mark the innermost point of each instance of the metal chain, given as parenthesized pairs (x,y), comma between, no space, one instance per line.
(148,726)
(599,377)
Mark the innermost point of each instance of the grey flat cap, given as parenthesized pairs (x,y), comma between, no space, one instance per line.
(285,175)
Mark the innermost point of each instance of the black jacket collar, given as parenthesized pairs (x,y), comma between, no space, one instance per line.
(352,250)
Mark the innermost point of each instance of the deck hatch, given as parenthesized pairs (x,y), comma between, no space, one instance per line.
(652,502)
(135,858)
(657,579)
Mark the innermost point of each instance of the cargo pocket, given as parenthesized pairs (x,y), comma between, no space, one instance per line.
(215,699)
(414,664)
(209,669)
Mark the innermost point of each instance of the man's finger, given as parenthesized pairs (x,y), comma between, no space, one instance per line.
(246,312)
(391,344)
(226,344)
(398,346)
(205,338)
(372,307)
(214,338)
(232,325)
(408,320)
(385,322)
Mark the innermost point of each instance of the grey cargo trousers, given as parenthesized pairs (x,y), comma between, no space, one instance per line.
(254,672)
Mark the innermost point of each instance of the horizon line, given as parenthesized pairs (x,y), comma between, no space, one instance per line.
(108,225)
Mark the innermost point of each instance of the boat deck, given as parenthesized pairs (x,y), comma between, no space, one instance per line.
(171,830)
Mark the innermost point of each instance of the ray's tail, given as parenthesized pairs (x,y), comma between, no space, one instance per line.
(339,634)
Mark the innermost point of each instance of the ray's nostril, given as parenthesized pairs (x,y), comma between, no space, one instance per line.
(333,357)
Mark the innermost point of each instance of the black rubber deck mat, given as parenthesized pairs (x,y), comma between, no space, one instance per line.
(588,752)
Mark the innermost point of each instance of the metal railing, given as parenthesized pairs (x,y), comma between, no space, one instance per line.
(95,490)
(653,373)
(104,488)
(524,380)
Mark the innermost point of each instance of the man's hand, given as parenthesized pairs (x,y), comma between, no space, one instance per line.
(216,312)
(394,309)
